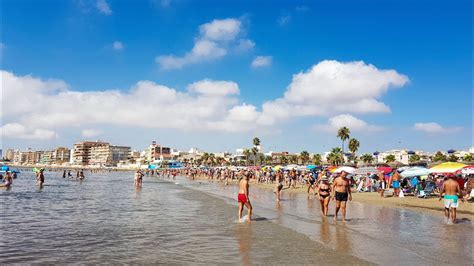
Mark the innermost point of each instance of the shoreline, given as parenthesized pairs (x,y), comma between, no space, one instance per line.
(430,205)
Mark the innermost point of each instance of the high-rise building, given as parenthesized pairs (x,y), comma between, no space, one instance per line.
(108,155)
(10,154)
(82,151)
(61,155)
(158,152)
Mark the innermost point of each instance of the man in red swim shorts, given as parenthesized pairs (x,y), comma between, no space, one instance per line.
(243,197)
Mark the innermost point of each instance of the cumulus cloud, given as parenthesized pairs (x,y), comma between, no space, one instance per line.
(332,87)
(51,104)
(262,61)
(214,41)
(435,128)
(327,89)
(117,46)
(91,132)
(345,120)
(19,131)
(103,7)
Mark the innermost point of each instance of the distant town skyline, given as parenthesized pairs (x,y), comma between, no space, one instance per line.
(213,75)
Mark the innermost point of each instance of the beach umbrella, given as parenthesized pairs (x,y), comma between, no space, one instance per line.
(347,169)
(331,169)
(385,169)
(291,167)
(311,166)
(5,168)
(366,170)
(277,168)
(466,170)
(415,171)
(449,167)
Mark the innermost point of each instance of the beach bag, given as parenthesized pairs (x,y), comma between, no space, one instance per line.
(421,194)
(401,194)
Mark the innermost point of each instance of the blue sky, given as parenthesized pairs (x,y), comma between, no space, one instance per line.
(92,46)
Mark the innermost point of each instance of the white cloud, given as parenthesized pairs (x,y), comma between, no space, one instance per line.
(245,45)
(103,7)
(19,131)
(262,61)
(214,41)
(206,105)
(435,128)
(117,46)
(345,120)
(332,87)
(91,133)
(211,87)
(328,88)
(283,20)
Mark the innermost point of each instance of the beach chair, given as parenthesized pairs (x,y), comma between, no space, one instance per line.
(428,190)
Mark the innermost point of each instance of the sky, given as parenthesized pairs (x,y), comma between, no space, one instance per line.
(215,74)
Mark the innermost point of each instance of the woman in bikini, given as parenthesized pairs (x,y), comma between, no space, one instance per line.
(324,192)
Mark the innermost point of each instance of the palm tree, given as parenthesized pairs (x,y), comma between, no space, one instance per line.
(439,157)
(317,159)
(390,158)
(414,158)
(353,147)
(367,158)
(453,158)
(205,158)
(335,157)
(343,133)
(467,158)
(304,156)
(254,153)
(268,159)
(256,142)
(247,154)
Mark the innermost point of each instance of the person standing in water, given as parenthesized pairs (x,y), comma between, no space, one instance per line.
(243,197)
(138,178)
(342,192)
(64,174)
(81,175)
(324,192)
(451,192)
(279,184)
(40,178)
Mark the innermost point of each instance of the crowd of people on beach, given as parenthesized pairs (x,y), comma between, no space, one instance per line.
(321,183)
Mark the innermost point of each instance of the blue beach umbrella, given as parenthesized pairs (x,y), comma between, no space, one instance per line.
(311,166)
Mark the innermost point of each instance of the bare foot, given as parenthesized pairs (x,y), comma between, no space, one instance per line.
(335,218)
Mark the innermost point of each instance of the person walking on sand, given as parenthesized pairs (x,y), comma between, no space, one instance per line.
(451,192)
(243,197)
(342,192)
(394,181)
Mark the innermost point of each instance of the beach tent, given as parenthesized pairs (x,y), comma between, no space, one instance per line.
(449,167)
(415,171)
(347,169)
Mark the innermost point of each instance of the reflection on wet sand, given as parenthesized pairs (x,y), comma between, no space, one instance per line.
(243,234)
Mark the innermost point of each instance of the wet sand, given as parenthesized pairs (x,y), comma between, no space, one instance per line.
(430,205)
(376,233)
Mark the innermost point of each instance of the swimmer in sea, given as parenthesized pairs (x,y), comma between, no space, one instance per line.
(138,178)
(8,180)
(40,178)
(243,197)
